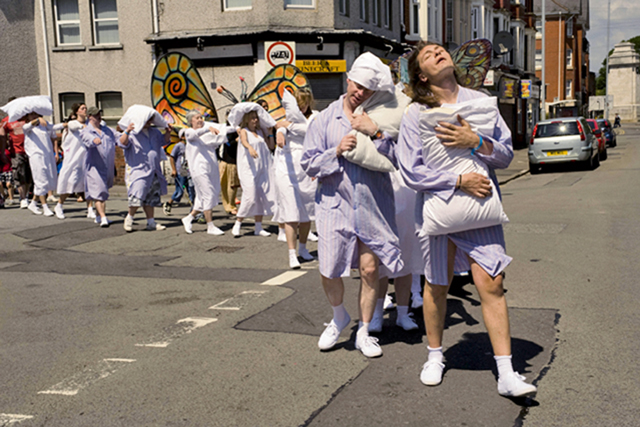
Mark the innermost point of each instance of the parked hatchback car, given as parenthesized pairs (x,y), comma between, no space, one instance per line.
(609,134)
(562,140)
(602,145)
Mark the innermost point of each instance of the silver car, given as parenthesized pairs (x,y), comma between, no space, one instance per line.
(561,140)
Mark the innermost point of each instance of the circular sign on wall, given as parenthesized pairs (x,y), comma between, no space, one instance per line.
(279,53)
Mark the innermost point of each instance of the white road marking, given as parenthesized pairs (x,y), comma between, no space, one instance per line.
(238,301)
(183,326)
(72,385)
(283,278)
(6,419)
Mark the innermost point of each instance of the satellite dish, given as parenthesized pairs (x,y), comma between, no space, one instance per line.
(502,43)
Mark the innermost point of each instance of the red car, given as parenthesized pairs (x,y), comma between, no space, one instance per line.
(602,140)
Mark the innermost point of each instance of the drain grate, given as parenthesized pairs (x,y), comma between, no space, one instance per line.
(225,249)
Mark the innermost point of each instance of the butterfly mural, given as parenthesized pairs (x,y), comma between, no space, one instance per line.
(472,60)
(177,88)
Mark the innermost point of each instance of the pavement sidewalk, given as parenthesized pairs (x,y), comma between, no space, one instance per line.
(518,167)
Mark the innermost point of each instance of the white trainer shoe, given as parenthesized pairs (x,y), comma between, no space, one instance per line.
(188,224)
(282,236)
(406,322)
(104,222)
(312,236)
(236,229)
(262,233)
(293,262)
(128,223)
(388,302)
(331,334)
(214,231)
(368,345)
(91,214)
(304,253)
(513,385)
(59,211)
(154,226)
(376,323)
(24,204)
(432,373)
(33,207)
(416,300)
(46,211)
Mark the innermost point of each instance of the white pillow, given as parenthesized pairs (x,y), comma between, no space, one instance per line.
(462,211)
(215,140)
(20,107)
(292,111)
(139,115)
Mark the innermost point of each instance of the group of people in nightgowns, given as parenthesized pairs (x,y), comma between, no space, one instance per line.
(364,217)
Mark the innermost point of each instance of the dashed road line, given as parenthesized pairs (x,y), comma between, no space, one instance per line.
(238,301)
(72,385)
(182,327)
(283,278)
(6,419)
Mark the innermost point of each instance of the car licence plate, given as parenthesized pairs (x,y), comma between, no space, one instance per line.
(557,153)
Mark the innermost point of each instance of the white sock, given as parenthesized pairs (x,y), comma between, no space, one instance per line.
(59,204)
(151,221)
(189,218)
(89,209)
(504,365)
(363,329)
(379,311)
(402,310)
(435,354)
(340,315)
(281,232)
(258,227)
(292,253)
(129,217)
(415,284)
(210,224)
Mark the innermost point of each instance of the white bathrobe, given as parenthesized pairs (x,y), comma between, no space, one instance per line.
(71,178)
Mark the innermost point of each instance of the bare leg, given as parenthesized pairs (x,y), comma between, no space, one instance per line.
(383,287)
(100,207)
(402,286)
(148,211)
(63,197)
(303,231)
(208,216)
(133,210)
(334,290)
(291,228)
(435,303)
(368,282)
(258,218)
(494,309)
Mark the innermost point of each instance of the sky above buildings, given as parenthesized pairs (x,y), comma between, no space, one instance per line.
(625,24)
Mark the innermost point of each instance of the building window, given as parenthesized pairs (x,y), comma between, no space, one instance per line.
(538,59)
(475,22)
(343,7)
(105,22)
(569,58)
(434,20)
(568,90)
(363,10)
(449,21)
(414,18)
(570,27)
(375,6)
(388,13)
(67,22)
(302,4)
(111,105)
(237,4)
(67,100)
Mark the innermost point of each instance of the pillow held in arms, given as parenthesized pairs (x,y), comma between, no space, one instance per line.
(462,211)
(139,115)
(212,139)
(385,109)
(20,107)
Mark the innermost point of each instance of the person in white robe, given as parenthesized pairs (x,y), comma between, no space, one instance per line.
(202,140)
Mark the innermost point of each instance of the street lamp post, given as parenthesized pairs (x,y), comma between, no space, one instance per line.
(606,93)
(543,92)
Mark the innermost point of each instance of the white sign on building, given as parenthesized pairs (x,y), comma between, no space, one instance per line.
(277,53)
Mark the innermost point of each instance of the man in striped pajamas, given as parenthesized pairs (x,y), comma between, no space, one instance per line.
(355,212)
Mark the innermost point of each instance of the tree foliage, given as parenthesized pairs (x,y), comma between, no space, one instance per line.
(601,80)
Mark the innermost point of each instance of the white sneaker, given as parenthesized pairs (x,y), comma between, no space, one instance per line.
(10,202)
(312,236)
(214,231)
(188,224)
(154,226)
(262,233)
(432,373)
(282,236)
(91,214)
(376,323)
(513,385)
(330,336)
(59,211)
(128,223)
(388,302)
(416,300)
(406,322)
(236,229)
(368,345)
(293,262)
(304,253)
(33,207)
(47,211)
(104,222)
(24,204)
(52,199)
